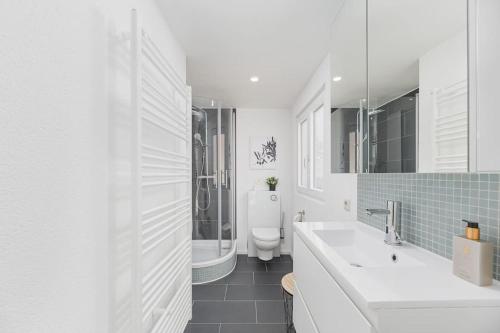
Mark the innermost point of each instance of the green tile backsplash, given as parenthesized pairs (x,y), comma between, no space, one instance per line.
(433,206)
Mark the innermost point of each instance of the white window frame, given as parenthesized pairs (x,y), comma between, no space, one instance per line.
(303,162)
(314,149)
(307,114)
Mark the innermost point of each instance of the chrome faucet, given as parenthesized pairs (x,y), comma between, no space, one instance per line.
(392,221)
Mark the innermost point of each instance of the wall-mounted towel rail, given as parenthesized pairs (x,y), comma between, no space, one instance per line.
(162,190)
(450,128)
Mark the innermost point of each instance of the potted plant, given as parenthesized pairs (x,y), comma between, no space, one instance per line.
(272,182)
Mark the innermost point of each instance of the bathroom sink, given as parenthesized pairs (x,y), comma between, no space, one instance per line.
(346,268)
(361,250)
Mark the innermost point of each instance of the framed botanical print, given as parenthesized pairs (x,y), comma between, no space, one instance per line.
(263,152)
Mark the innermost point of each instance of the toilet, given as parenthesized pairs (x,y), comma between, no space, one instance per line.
(264,218)
(266,240)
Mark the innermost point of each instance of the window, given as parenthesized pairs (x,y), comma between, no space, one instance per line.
(318,150)
(303,158)
(311,150)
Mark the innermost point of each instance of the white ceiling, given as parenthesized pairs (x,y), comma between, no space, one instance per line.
(228,41)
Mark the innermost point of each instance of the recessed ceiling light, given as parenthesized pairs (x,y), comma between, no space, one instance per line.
(254,79)
(337,78)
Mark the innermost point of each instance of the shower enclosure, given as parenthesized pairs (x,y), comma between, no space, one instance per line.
(392,135)
(213,192)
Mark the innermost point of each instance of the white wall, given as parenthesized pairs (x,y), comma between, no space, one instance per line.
(328,205)
(263,122)
(60,85)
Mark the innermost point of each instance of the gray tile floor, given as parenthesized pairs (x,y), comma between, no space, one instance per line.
(249,300)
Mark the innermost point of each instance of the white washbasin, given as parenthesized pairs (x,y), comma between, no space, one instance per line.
(416,293)
(355,255)
(361,250)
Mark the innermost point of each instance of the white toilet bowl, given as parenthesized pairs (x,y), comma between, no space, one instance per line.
(266,240)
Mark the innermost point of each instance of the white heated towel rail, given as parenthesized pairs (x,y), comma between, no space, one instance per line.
(161,144)
(451,128)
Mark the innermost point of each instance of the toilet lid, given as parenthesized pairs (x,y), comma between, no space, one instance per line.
(266,234)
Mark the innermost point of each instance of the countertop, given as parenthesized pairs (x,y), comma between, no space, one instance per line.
(429,285)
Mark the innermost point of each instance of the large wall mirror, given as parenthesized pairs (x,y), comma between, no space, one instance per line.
(349,86)
(416,115)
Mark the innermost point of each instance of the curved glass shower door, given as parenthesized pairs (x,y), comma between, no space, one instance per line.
(213,127)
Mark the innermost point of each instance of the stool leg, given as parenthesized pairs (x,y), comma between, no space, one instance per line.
(285,308)
(288,307)
(290,327)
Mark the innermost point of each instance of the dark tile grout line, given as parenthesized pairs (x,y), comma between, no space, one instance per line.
(243,284)
(220,324)
(287,257)
(256,312)
(236,300)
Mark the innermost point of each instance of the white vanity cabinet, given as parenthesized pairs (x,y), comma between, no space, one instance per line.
(484,76)
(425,298)
(320,299)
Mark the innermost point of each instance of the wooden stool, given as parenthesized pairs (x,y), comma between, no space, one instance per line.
(288,287)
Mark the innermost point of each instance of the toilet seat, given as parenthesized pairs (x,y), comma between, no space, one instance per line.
(266,234)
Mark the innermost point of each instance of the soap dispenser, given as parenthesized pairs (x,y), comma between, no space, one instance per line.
(473,257)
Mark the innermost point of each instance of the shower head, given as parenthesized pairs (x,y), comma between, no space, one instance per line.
(197,113)
(197,138)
